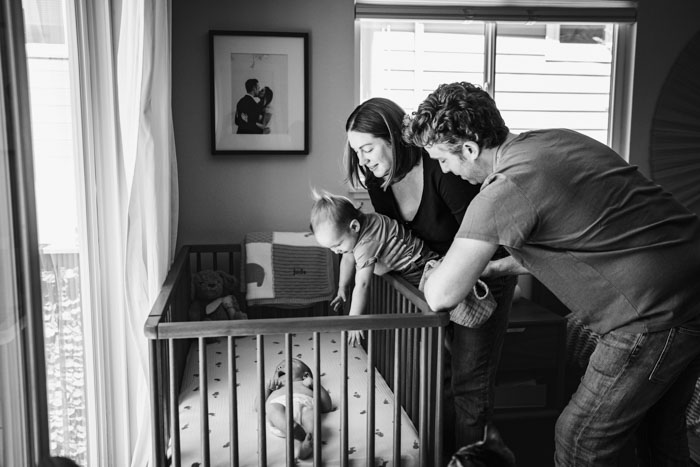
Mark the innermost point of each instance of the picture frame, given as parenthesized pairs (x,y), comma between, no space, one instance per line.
(243,118)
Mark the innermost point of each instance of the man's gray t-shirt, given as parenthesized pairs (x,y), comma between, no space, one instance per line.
(614,247)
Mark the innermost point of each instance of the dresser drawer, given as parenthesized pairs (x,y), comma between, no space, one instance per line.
(535,338)
(531,347)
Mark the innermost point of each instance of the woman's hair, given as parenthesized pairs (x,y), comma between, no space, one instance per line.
(329,207)
(455,113)
(266,97)
(381,118)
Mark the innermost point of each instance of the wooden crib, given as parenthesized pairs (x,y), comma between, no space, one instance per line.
(404,348)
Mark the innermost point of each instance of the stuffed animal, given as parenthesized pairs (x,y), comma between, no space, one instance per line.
(213,297)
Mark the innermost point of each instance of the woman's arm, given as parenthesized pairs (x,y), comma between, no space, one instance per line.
(504,267)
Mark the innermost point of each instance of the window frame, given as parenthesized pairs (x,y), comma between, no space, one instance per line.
(621,14)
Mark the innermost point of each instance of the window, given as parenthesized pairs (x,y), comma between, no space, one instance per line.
(56,144)
(542,74)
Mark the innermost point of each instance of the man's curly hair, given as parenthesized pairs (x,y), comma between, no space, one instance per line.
(455,113)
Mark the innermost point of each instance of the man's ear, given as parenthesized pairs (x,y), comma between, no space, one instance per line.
(355,225)
(471,150)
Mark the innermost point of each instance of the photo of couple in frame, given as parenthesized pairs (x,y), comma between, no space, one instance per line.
(259,92)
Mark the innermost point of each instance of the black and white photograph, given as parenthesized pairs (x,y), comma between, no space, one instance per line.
(377,233)
(258,93)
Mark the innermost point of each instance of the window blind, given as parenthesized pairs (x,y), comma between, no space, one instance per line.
(578,12)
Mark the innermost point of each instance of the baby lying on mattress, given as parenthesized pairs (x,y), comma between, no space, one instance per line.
(303,405)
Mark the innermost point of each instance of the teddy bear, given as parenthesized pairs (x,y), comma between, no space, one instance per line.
(213,297)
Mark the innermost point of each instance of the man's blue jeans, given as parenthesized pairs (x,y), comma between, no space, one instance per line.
(634,382)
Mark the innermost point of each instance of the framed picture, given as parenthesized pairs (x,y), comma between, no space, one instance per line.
(259,92)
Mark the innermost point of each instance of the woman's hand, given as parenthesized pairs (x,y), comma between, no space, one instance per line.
(503,267)
(393,255)
(355,337)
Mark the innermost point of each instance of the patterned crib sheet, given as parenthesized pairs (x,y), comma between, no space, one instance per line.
(246,361)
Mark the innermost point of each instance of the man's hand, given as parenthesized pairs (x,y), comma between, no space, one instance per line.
(244,117)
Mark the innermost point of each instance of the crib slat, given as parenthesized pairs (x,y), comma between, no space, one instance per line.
(174,406)
(233,402)
(262,432)
(370,398)
(204,401)
(318,461)
(440,349)
(428,396)
(415,371)
(423,404)
(404,387)
(158,456)
(344,400)
(290,404)
(397,402)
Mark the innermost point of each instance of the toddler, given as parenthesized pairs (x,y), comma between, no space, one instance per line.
(303,405)
(360,237)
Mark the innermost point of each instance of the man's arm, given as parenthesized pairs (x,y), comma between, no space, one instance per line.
(452,281)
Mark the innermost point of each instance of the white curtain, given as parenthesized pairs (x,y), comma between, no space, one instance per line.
(131,170)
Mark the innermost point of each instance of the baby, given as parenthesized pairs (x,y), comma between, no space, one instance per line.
(337,224)
(340,226)
(303,405)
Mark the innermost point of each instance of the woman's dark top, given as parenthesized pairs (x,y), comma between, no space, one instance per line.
(442,206)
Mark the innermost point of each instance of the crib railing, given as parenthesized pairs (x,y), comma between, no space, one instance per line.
(404,343)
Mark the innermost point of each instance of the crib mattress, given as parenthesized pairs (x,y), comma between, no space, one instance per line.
(331,369)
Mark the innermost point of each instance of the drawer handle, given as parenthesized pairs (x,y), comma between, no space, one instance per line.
(515,330)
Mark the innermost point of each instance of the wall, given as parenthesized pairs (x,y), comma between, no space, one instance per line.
(223,197)
(663,29)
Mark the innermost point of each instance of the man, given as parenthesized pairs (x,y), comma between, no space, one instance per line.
(621,253)
(248,110)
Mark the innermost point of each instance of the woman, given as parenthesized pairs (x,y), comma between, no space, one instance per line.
(405,184)
(265,110)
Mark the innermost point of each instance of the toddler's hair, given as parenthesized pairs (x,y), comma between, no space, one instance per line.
(329,207)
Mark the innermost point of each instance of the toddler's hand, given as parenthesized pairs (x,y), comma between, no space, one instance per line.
(355,337)
(339,300)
